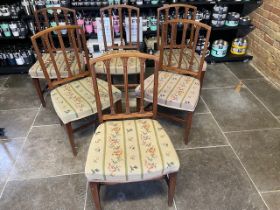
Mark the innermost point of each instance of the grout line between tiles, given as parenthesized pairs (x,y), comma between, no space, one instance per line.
(19,152)
(198,113)
(250,130)
(4,110)
(38,126)
(237,157)
(206,147)
(8,139)
(270,191)
(214,88)
(253,79)
(174,203)
(85,204)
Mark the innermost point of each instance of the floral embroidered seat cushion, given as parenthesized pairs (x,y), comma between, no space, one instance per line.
(174,90)
(116,64)
(130,151)
(185,59)
(76,100)
(36,70)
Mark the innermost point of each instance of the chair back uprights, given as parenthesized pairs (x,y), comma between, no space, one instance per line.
(124,56)
(177,52)
(180,11)
(116,20)
(69,57)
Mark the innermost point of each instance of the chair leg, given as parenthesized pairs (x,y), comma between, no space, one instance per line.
(118,106)
(37,86)
(171,188)
(69,131)
(138,100)
(188,125)
(94,187)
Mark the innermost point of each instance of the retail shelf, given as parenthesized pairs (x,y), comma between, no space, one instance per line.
(15,69)
(14,38)
(229,58)
(8,18)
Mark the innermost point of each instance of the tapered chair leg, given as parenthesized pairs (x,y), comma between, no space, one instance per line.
(94,187)
(188,125)
(171,188)
(37,86)
(70,134)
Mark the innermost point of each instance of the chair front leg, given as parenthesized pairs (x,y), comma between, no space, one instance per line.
(70,134)
(188,125)
(171,187)
(37,86)
(94,187)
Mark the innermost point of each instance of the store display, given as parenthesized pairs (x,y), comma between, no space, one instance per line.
(239,46)
(219,15)
(12,56)
(200,45)
(219,48)
(245,21)
(232,19)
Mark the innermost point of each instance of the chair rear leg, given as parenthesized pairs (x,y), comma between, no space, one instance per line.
(94,187)
(188,125)
(70,134)
(171,187)
(37,86)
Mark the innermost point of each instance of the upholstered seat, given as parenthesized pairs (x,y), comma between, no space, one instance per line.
(76,100)
(174,90)
(185,59)
(129,151)
(116,65)
(36,70)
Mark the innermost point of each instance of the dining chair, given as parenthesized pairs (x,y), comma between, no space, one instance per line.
(180,76)
(180,11)
(46,18)
(129,146)
(72,96)
(120,26)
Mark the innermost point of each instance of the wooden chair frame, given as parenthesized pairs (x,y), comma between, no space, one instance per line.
(42,16)
(114,115)
(74,34)
(120,8)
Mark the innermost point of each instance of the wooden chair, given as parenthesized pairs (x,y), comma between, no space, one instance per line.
(43,20)
(120,41)
(179,80)
(129,147)
(72,96)
(182,11)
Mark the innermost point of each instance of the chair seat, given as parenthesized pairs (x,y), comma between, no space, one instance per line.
(174,90)
(36,70)
(185,59)
(76,100)
(130,151)
(116,65)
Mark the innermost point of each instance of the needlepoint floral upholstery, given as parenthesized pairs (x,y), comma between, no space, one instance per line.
(185,59)
(76,100)
(129,151)
(116,64)
(36,70)
(174,90)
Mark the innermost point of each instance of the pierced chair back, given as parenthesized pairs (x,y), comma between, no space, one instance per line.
(121,18)
(124,56)
(180,11)
(70,57)
(177,52)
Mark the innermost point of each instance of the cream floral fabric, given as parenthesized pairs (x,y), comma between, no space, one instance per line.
(174,90)
(76,100)
(36,70)
(116,64)
(185,59)
(130,150)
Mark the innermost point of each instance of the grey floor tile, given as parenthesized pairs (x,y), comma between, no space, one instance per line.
(238,110)
(272,200)
(21,94)
(9,150)
(259,151)
(201,107)
(17,122)
(151,195)
(244,70)
(267,93)
(214,179)
(64,192)
(47,115)
(47,152)
(2,84)
(204,132)
(218,76)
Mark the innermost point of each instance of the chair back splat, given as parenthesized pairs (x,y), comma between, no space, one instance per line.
(181,11)
(125,60)
(177,52)
(122,12)
(68,53)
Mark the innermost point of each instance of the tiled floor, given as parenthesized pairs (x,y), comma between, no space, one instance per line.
(231,162)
